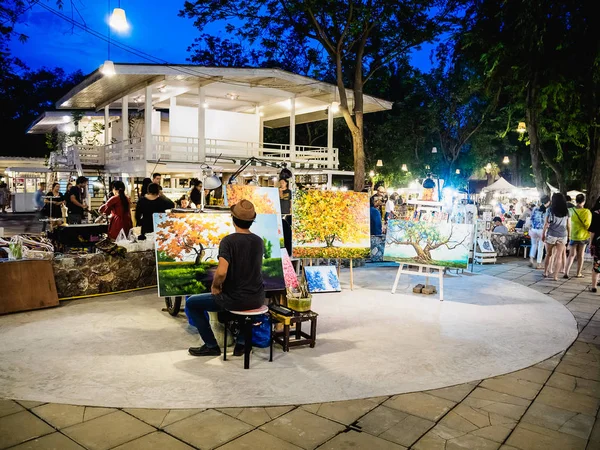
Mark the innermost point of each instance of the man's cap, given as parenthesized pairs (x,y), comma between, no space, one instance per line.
(244,210)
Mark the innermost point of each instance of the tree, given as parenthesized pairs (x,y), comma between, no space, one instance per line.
(423,237)
(183,235)
(330,217)
(531,50)
(267,248)
(261,201)
(358,37)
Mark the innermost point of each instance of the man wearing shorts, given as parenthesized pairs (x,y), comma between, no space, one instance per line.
(595,243)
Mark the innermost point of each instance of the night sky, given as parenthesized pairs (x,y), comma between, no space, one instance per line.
(155,29)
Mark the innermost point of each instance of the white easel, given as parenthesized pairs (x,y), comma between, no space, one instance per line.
(424,271)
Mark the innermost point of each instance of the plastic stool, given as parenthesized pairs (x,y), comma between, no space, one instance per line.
(247,319)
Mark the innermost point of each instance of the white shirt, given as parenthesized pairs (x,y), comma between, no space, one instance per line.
(390,206)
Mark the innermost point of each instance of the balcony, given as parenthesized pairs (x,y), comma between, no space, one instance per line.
(176,149)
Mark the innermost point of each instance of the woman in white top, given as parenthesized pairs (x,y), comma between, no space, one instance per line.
(557,229)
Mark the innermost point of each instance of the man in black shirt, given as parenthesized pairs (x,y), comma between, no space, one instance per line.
(75,202)
(149,204)
(237,284)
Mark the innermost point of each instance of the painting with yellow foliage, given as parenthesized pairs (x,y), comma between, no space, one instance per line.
(264,199)
(330,224)
(187,250)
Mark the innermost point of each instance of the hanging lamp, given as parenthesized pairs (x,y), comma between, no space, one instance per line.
(108,68)
(521,128)
(506,160)
(118,19)
(404,168)
(379,163)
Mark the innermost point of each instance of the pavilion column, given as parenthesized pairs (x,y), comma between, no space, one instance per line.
(201,125)
(330,161)
(148,139)
(106,124)
(293,131)
(172,106)
(260,125)
(125,119)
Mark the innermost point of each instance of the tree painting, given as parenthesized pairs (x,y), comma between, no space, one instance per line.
(322,279)
(330,224)
(187,249)
(264,199)
(182,235)
(436,244)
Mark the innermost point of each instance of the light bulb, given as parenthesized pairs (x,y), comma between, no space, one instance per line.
(335,107)
(108,68)
(118,20)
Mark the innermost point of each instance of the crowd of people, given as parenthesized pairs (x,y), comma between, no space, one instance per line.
(560,232)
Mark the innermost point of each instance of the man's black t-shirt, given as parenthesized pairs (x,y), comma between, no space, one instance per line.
(243,288)
(145,209)
(286,201)
(74,209)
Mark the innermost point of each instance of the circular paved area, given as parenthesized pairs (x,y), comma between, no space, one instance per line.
(124,352)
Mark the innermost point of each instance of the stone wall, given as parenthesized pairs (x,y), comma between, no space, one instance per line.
(377,248)
(99,273)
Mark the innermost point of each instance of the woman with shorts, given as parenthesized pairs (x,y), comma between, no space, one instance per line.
(557,229)
(581,219)
(595,243)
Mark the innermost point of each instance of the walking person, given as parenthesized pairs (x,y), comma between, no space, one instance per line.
(595,244)
(535,232)
(557,229)
(119,209)
(38,204)
(581,219)
(4,197)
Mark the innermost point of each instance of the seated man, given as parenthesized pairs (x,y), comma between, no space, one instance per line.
(237,284)
(499,227)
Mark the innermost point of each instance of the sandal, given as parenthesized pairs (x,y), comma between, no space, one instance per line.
(579,276)
(565,276)
(594,290)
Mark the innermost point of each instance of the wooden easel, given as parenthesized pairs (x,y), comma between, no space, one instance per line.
(424,271)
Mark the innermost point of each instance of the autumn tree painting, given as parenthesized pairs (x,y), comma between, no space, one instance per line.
(428,243)
(187,249)
(330,224)
(264,199)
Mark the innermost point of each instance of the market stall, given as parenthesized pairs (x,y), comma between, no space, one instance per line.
(23,182)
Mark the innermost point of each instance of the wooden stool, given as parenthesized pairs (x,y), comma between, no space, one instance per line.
(247,319)
(301,338)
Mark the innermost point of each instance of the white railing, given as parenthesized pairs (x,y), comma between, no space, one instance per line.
(122,152)
(92,155)
(185,150)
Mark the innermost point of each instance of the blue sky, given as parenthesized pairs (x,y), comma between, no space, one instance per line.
(155,29)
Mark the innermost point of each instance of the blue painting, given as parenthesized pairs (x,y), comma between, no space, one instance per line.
(322,279)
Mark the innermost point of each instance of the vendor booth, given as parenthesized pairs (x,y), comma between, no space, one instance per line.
(23,182)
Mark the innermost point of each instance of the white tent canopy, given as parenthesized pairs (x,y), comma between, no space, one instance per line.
(501,185)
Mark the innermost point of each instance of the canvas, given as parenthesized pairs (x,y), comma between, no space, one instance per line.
(330,224)
(264,199)
(322,279)
(291,279)
(437,244)
(187,248)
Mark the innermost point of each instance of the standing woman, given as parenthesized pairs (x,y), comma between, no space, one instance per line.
(119,209)
(595,244)
(557,229)
(535,232)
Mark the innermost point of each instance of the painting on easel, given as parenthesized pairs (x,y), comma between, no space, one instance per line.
(331,224)
(434,244)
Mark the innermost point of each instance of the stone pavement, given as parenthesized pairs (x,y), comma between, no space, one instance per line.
(551,405)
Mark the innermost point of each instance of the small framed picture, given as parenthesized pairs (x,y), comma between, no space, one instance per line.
(485,245)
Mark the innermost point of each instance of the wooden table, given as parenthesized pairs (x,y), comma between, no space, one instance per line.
(300,337)
(26,285)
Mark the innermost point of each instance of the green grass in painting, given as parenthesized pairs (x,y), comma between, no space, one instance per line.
(449,264)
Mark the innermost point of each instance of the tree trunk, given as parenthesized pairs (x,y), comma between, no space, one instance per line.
(593,185)
(534,141)
(422,255)
(359,154)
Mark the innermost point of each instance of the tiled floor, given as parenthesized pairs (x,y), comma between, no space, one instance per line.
(552,405)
